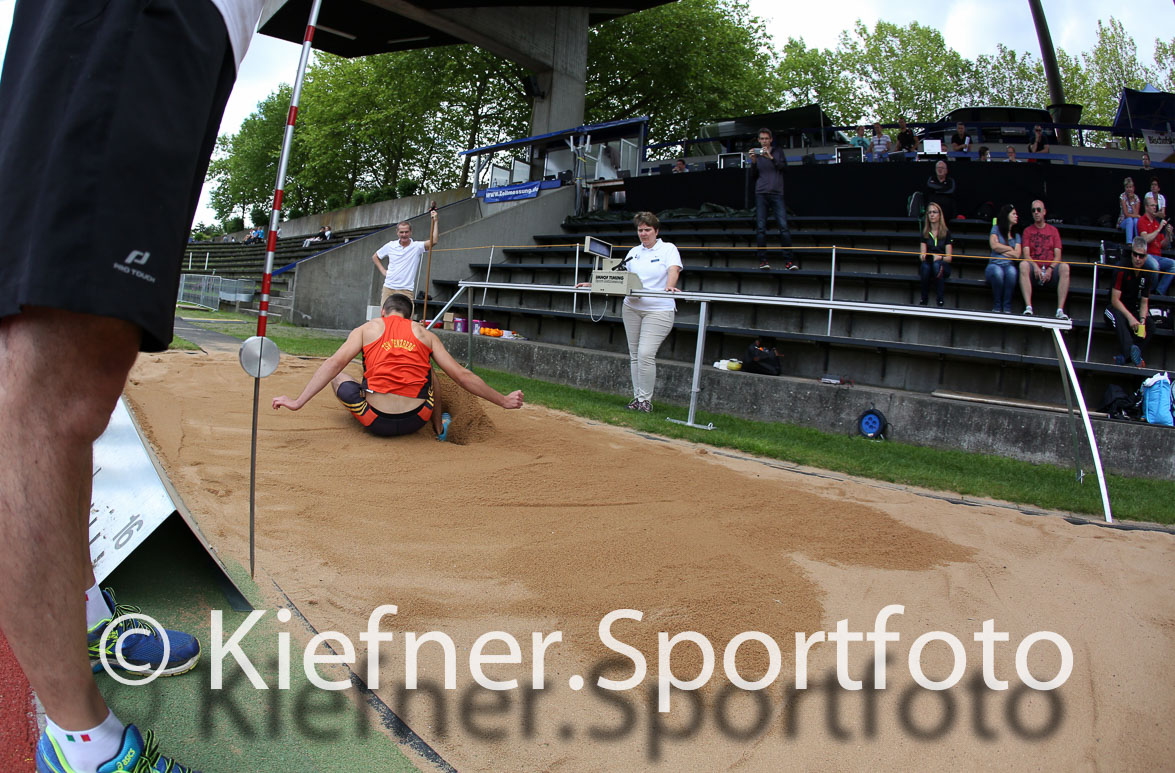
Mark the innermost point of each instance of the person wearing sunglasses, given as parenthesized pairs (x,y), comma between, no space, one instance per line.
(1129,306)
(1042,265)
(1039,142)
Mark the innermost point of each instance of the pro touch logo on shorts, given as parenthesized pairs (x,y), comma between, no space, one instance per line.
(136,258)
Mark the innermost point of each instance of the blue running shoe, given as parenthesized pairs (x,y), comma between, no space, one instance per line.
(446,419)
(139,754)
(141,649)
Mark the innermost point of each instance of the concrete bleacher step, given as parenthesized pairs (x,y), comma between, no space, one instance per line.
(919,354)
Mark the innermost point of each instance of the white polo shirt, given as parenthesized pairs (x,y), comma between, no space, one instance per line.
(651,265)
(403,263)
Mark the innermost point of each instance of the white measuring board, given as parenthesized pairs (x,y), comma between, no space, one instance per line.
(129,500)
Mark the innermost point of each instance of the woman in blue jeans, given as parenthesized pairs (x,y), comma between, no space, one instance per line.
(1001,271)
(934,263)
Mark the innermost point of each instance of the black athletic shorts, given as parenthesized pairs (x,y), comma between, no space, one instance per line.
(108,114)
(352,394)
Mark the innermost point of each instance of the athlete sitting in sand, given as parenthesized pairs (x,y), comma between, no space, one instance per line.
(396,396)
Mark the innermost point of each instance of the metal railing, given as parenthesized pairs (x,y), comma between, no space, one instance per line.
(207,291)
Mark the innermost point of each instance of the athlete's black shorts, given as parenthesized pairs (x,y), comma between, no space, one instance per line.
(108,114)
(353,395)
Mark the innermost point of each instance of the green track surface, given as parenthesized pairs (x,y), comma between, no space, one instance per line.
(238,729)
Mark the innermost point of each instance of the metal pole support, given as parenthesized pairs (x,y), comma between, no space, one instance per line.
(696,386)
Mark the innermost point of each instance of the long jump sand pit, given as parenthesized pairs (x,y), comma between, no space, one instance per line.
(543,522)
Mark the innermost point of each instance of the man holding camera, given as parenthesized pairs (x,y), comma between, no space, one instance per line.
(767,164)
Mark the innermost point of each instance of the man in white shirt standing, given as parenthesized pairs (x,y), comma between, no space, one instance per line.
(403,257)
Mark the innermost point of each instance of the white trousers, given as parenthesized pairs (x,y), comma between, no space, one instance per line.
(645,330)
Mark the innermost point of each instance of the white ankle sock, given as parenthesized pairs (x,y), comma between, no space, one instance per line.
(85,750)
(97,609)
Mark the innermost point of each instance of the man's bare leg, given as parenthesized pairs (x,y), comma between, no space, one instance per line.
(1062,285)
(51,419)
(1026,282)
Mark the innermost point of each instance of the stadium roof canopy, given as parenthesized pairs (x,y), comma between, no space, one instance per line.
(1149,109)
(360,27)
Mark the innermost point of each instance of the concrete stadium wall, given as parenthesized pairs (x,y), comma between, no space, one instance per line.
(506,224)
(367,215)
(1130,448)
(334,289)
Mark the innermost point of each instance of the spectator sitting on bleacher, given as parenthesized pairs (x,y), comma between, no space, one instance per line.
(984,153)
(1012,155)
(1042,263)
(679,166)
(906,142)
(1129,302)
(1128,210)
(940,187)
(934,254)
(1005,249)
(1160,200)
(322,236)
(1153,231)
(881,144)
(1146,161)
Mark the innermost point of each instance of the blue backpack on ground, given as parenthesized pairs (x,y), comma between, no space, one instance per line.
(1156,400)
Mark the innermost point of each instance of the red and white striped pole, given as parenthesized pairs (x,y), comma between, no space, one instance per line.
(270,249)
(279,188)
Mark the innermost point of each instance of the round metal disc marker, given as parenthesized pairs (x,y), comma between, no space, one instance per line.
(259,356)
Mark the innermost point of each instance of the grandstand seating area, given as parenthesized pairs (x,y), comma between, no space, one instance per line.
(873,263)
(235,260)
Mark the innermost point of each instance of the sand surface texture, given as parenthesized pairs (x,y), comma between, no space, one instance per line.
(541,522)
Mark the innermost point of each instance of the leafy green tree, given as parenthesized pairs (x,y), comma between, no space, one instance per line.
(1110,66)
(893,71)
(1165,61)
(202,232)
(811,76)
(245,166)
(683,64)
(1009,78)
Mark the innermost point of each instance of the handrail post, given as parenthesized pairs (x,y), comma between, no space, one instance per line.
(490,266)
(831,288)
(1093,302)
(695,386)
(469,327)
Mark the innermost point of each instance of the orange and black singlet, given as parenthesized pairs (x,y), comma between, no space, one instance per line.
(397,363)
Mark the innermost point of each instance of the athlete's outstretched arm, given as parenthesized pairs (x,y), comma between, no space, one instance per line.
(332,367)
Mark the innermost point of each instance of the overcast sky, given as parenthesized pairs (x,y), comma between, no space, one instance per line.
(971,28)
